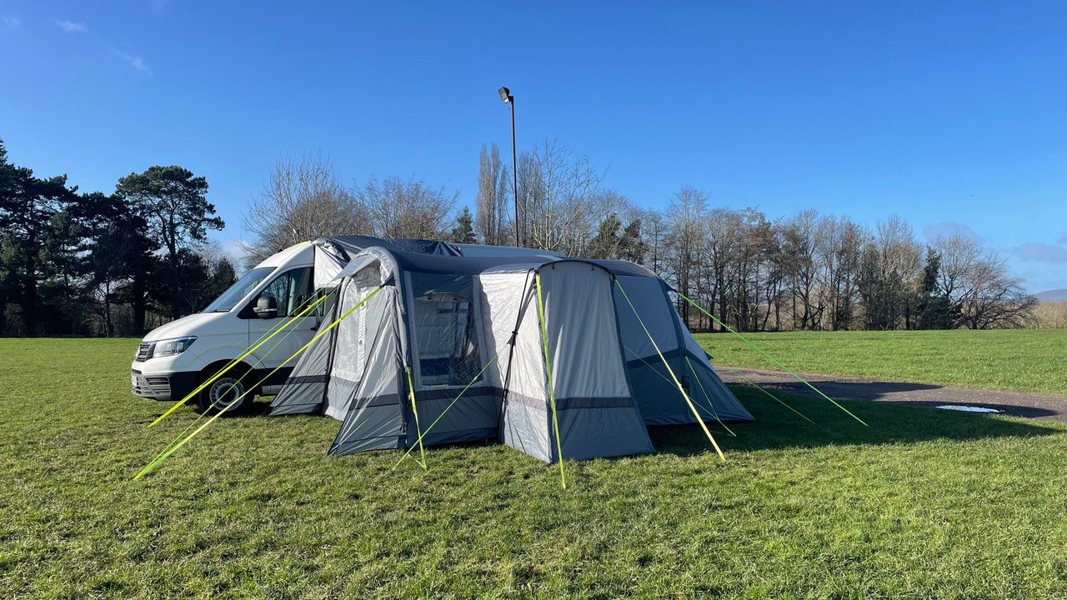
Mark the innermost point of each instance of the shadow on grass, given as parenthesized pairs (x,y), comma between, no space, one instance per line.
(777,428)
(844,388)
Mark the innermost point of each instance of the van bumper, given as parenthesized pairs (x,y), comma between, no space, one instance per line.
(172,386)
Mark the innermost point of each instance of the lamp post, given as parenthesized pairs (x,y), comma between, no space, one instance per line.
(505,95)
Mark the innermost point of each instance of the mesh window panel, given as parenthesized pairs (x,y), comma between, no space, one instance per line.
(446,341)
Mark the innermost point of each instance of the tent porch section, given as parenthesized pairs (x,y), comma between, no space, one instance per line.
(581,383)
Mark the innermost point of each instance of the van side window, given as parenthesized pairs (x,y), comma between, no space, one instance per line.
(292,289)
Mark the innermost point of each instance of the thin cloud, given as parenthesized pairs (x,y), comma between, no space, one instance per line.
(1039,252)
(70,26)
(12,22)
(948,229)
(135,61)
(1063,240)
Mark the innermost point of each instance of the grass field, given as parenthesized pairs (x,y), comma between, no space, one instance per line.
(923,504)
(1024,359)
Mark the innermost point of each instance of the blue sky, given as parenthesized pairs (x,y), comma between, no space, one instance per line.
(951,115)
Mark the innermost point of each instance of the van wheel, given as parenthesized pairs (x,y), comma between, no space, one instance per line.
(229,392)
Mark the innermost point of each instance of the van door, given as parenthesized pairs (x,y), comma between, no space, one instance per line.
(292,290)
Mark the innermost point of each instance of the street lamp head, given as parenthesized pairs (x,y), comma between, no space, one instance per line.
(505,94)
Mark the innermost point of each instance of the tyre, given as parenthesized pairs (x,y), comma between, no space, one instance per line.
(229,392)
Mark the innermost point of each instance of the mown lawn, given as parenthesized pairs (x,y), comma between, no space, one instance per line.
(1025,359)
(923,504)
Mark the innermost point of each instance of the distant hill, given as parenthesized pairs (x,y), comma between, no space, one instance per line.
(1049,296)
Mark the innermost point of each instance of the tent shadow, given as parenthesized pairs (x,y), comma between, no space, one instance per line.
(835,388)
(776,427)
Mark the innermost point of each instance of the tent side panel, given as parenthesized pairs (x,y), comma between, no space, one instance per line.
(305,390)
(473,417)
(506,300)
(658,397)
(595,406)
(351,338)
(723,401)
(707,383)
(374,419)
(610,427)
(654,389)
(526,426)
(370,426)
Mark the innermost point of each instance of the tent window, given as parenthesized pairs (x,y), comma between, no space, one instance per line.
(445,339)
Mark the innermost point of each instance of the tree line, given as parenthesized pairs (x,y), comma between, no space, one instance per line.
(95,264)
(104,264)
(803,272)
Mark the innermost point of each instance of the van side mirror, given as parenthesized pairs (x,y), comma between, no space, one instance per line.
(266,307)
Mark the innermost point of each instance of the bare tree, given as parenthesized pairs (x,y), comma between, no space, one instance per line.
(838,254)
(891,274)
(302,201)
(491,205)
(655,239)
(980,292)
(686,216)
(406,209)
(800,250)
(554,191)
(716,264)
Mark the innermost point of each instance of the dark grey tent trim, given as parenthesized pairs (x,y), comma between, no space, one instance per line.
(307,379)
(572,403)
(389,442)
(431,396)
(450,393)
(384,400)
(643,360)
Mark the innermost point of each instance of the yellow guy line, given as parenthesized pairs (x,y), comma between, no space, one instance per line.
(548,370)
(447,408)
(237,360)
(414,409)
(771,358)
(163,456)
(681,389)
(775,398)
(711,403)
(217,401)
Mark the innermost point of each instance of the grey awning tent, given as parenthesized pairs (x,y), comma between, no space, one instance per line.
(431,325)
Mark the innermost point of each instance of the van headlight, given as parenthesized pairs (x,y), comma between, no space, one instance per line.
(172,346)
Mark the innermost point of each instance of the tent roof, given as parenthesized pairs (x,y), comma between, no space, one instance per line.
(512,261)
(465,265)
(428,256)
(353,244)
(624,268)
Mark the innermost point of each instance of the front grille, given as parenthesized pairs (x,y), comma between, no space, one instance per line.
(150,387)
(144,352)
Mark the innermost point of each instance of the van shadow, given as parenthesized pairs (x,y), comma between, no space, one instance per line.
(776,427)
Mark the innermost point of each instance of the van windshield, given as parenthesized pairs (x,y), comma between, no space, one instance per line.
(240,289)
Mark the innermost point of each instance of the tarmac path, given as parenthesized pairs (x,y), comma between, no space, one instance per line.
(1018,404)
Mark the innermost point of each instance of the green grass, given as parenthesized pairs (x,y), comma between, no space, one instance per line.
(1024,359)
(923,504)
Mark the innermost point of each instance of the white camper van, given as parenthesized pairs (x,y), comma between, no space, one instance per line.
(174,359)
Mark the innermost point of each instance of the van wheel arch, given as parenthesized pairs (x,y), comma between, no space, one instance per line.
(234,383)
